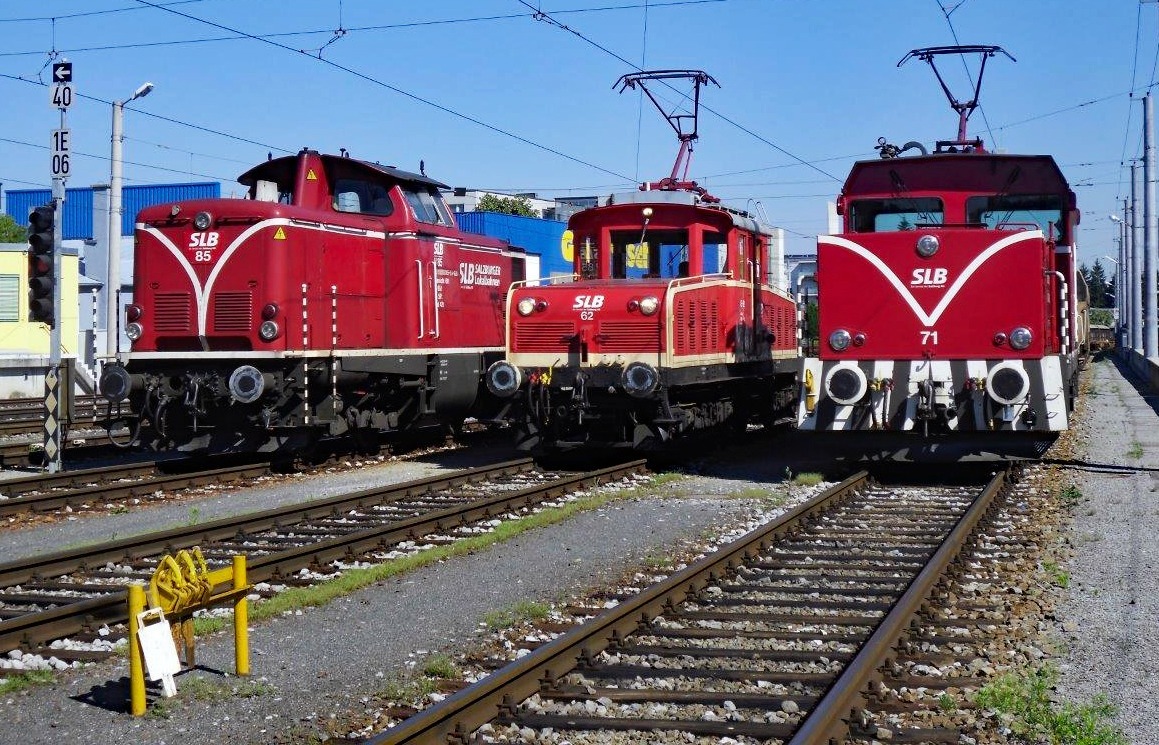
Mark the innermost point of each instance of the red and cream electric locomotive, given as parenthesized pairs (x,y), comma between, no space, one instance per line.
(670,323)
(339,297)
(947,306)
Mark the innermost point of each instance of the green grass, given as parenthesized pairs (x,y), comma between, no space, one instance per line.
(19,681)
(1057,573)
(525,610)
(808,479)
(1070,496)
(441,666)
(1023,702)
(353,580)
(1136,450)
(947,703)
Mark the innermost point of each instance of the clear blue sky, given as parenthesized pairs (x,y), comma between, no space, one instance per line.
(808,79)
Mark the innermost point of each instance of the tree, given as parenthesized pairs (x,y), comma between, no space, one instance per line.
(10,232)
(506,205)
(1096,281)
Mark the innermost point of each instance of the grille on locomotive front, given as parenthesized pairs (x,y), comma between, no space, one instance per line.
(539,336)
(232,311)
(173,311)
(629,336)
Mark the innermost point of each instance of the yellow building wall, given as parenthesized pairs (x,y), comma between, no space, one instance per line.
(25,337)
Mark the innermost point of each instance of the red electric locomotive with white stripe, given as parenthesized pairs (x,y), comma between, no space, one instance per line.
(947,306)
(670,323)
(339,297)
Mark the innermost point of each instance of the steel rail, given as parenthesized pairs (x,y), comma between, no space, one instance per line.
(147,544)
(33,629)
(829,721)
(71,479)
(55,500)
(499,693)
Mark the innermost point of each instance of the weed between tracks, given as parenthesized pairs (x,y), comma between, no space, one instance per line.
(352,580)
(13,682)
(1023,701)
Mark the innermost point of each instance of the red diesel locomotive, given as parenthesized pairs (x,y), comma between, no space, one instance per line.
(339,297)
(947,306)
(670,323)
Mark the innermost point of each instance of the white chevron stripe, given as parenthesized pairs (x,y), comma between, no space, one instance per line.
(931,318)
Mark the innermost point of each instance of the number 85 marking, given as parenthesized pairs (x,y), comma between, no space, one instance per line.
(929,337)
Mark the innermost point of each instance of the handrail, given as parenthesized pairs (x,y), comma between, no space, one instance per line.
(422,307)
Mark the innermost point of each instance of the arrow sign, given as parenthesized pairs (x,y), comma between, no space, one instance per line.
(62,72)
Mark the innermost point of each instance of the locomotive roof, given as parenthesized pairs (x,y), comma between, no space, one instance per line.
(663,196)
(283,169)
(978,172)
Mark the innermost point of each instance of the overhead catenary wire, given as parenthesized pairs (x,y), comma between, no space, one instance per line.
(413,96)
(547,18)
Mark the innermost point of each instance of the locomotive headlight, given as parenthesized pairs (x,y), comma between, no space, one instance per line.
(927,246)
(839,340)
(649,305)
(134,331)
(504,379)
(268,330)
(269,311)
(202,220)
(1021,337)
(526,306)
(640,379)
(133,313)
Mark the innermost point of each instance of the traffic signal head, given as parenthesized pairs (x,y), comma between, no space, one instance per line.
(42,264)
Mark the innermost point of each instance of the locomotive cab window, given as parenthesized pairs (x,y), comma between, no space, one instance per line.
(661,254)
(715,255)
(361,196)
(885,215)
(1018,212)
(428,205)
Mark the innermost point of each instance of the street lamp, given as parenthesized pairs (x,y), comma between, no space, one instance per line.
(113,281)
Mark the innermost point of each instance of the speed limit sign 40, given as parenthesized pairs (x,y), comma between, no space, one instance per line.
(60,92)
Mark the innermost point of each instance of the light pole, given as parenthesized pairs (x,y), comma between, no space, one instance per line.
(113,281)
(1122,293)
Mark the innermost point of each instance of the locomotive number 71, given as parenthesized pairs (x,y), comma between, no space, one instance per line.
(929,336)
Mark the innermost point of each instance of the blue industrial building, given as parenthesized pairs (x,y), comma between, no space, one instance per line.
(84,224)
(533,234)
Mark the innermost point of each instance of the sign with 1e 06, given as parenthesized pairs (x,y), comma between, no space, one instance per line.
(61,142)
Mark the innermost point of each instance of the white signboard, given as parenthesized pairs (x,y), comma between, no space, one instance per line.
(61,143)
(60,92)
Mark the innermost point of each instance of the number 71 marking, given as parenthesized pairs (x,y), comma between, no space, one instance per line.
(929,337)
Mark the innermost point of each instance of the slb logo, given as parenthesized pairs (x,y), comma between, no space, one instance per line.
(204,240)
(929,277)
(588,302)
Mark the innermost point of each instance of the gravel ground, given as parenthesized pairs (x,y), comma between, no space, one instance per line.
(321,662)
(1109,621)
(266,493)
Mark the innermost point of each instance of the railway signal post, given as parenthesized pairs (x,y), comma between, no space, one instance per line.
(61,94)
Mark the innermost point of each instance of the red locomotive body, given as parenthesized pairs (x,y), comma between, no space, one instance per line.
(670,324)
(340,296)
(947,306)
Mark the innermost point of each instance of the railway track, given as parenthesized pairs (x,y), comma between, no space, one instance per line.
(26,415)
(791,633)
(73,593)
(81,489)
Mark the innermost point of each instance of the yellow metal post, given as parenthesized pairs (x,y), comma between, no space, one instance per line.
(137,700)
(241,617)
